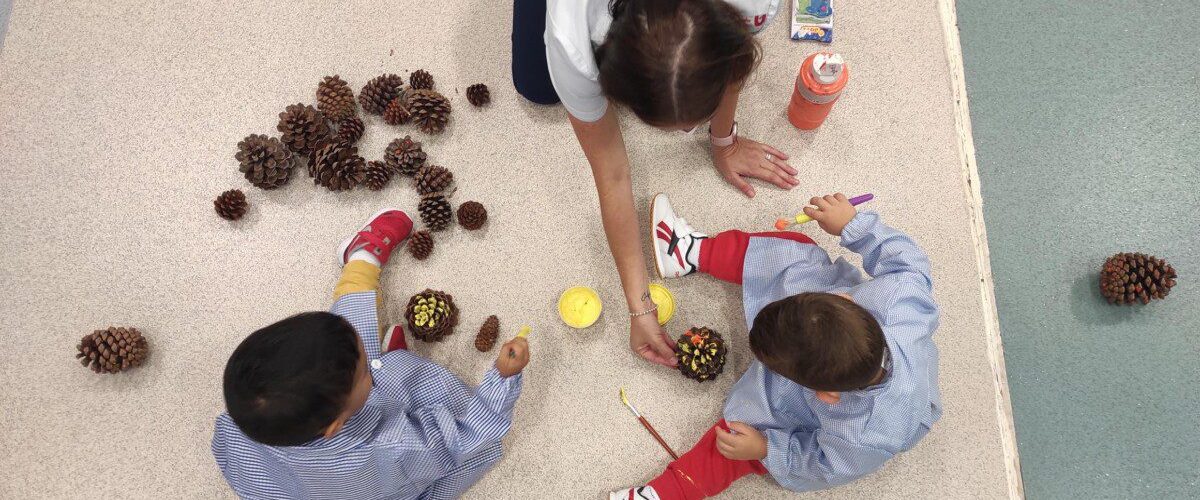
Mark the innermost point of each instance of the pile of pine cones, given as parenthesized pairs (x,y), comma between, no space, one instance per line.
(1129,278)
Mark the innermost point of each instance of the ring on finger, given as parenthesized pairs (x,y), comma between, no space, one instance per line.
(770,157)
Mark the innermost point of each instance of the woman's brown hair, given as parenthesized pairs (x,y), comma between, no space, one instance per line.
(670,61)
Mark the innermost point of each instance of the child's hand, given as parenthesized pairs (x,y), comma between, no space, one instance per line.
(832,212)
(747,444)
(514,355)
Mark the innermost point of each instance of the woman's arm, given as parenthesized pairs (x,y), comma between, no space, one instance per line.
(604,147)
(746,157)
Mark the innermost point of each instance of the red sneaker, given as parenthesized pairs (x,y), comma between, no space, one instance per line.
(384,231)
(393,339)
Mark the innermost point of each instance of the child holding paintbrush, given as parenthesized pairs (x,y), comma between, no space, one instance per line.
(845,375)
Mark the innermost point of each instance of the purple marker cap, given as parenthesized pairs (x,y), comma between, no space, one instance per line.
(862,198)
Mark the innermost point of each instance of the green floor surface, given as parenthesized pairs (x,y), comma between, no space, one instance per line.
(1086,120)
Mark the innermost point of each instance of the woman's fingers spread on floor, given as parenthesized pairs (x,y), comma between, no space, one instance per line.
(767,173)
(779,154)
(741,184)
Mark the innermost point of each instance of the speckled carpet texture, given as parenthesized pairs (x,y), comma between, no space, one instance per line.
(119,122)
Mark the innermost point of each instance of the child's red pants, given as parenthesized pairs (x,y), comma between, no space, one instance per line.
(703,471)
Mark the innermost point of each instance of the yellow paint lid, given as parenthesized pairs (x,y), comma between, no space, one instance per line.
(579,307)
(665,302)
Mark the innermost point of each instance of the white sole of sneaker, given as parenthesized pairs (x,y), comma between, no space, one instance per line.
(341,255)
(658,267)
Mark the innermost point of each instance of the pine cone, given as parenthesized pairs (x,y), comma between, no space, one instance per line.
(376,175)
(430,110)
(303,128)
(434,179)
(112,350)
(231,204)
(486,338)
(478,95)
(350,130)
(420,79)
(264,160)
(435,211)
(420,244)
(337,167)
(431,315)
(396,113)
(377,93)
(405,156)
(1136,277)
(701,353)
(472,215)
(335,99)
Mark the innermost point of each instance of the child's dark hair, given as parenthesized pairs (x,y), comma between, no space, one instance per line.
(819,340)
(287,382)
(670,61)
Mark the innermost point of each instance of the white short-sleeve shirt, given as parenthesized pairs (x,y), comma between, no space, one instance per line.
(574,28)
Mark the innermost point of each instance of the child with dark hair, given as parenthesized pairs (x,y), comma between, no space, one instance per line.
(325,405)
(845,375)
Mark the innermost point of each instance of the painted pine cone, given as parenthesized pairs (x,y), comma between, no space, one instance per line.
(376,175)
(1128,278)
(405,156)
(335,99)
(303,127)
(701,354)
(430,110)
(337,167)
(421,80)
(431,315)
(472,215)
(112,350)
(396,112)
(350,130)
(478,95)
(265,161)
(231,205)
(377,93)
(434,179)
(435,211)
(420,244)
(485,340)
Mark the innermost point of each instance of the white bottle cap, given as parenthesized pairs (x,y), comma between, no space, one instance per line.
(826,68)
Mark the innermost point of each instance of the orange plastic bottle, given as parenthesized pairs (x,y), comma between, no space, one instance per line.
(819,84)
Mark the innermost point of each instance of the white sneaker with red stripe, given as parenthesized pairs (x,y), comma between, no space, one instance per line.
(639,493)
(676,244)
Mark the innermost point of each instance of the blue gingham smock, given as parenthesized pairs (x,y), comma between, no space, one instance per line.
(811,444)
(423,434)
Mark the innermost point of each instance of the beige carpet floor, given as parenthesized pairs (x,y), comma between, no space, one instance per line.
(118,125)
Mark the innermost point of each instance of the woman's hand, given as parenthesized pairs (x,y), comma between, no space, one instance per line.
(750,158)
(650,341)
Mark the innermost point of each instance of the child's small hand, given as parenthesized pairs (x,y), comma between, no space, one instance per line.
(832,212)
(746,444)
(514,355)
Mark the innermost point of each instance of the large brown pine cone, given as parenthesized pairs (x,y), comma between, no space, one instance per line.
(335,99)
(430,110)
(396,112)
(431,315)
(434,179)
(405,156)
(303,127)
(350,130)
(265,161)
(435,211)
(420,79)
(478,95)
(231,205)
(420,244)
(377,93)
(376,175)
(1128,278)
(486,338)
(112,350)
(337,167)
(701,354)
(472,215)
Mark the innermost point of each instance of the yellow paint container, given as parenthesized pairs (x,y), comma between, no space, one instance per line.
(579,307)
(665,302)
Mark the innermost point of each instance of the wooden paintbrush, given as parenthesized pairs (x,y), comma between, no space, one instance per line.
(646,424)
